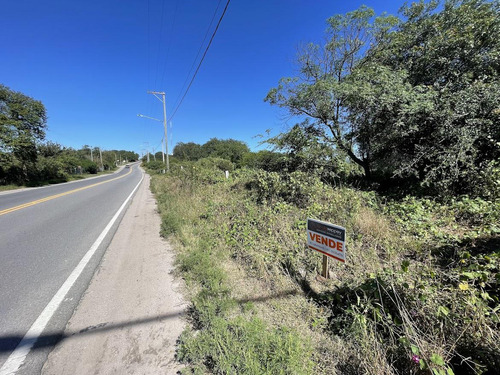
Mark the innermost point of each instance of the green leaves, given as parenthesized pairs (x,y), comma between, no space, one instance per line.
(405,265)
(442,311)
(437,360)
(418,100)
(320,92)
(452,54)
(22,124)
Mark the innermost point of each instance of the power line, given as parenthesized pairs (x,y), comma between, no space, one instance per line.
(197,54)
(201,61)
(159,42)
(149,48)
(150,62)
(169,43)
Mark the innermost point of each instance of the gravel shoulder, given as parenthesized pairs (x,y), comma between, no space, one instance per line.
(130,317)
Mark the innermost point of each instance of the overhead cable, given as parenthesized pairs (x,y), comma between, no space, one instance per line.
(197,54)
(201,61)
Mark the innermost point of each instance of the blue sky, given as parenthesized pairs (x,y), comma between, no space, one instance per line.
(92,62)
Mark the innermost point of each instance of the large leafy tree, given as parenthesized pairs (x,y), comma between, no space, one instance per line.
(23,121)
(188,151)
(451,61)
(229,149)
(419,98)
(385,111)
(319,91)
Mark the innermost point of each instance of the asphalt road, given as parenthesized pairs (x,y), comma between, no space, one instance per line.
(44,234)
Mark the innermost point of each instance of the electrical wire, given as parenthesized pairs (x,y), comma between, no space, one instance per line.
(148,81)
(201,61)
(159,43)
(167,55)
(197,55)
(149,48)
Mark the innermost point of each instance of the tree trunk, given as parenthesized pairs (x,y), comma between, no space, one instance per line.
(363,163)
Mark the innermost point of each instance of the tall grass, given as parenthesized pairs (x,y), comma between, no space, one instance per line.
(418,294)
(227,337)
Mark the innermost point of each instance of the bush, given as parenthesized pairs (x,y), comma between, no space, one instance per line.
(215,163)
(88,166)
(419,292)
(49,170)
(155,166)
(489,186)
(265,160)
(296,187)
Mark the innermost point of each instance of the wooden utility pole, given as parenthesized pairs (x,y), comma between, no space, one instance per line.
(100,153)
(162,99)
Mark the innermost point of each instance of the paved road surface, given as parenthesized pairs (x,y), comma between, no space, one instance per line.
(131,315)
(44,234)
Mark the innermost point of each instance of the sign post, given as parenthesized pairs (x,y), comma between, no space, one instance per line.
(324,271)
(328,239)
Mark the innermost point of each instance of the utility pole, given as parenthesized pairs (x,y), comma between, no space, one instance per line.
(162,99)
(91,157)
(147,149)
(163,151)
(100,153)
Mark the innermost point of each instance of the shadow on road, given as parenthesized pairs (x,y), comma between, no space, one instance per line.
(9,342)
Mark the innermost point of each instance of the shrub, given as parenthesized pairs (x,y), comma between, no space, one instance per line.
(296,187)
(419,293)
(155,166)
(215,163)
(88,166)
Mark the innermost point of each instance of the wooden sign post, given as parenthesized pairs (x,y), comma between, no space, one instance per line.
(324,271)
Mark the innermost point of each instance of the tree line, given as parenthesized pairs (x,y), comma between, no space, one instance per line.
(26,158)
(233,151)
(411,101)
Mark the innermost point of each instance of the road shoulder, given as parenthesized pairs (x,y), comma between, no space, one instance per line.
(130,317)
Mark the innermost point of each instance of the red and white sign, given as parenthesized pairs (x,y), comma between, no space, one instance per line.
(326,238)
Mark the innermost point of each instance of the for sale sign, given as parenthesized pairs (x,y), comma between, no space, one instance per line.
(326,238)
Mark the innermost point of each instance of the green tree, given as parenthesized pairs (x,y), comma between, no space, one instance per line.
(381,104)
(446,126)
(228,149)
(319,92)
(267,160)
(417,99)
(49,149)
(22,123)
(188,151)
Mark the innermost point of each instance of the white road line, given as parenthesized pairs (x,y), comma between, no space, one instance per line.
(18,356)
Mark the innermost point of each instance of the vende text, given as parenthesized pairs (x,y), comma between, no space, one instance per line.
(326,241)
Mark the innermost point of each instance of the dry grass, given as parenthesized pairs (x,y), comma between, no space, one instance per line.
(389,289)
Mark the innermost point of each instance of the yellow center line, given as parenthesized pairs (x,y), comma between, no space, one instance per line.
(29,204)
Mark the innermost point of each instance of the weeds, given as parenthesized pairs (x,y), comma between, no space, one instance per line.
(222,341)
(418,295)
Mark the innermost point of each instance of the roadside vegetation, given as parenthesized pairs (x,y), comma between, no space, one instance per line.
(27,159)
(419,291)
(399,142)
